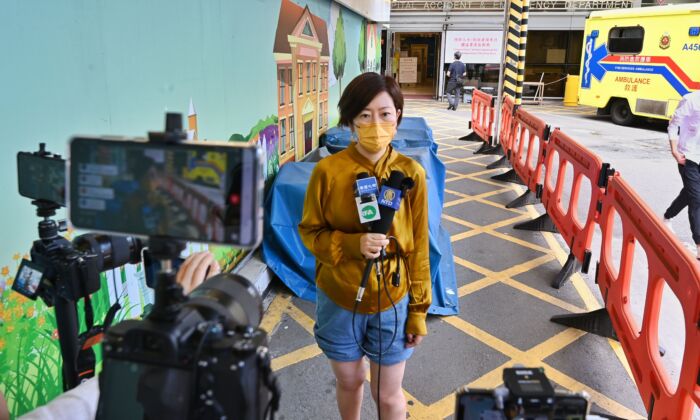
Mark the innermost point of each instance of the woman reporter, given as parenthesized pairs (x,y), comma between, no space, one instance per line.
(371,106)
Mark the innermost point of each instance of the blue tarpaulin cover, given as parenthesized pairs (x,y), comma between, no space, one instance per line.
(289,259)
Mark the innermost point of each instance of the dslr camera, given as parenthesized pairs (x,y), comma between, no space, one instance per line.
(197,356)
(62,272)
(527,394)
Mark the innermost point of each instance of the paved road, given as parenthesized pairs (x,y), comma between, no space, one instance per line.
(641,154)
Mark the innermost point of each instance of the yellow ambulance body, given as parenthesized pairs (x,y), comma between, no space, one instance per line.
(640,61)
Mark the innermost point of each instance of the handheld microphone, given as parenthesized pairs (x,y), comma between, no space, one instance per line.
(389,202)
(366,198)
(366,190)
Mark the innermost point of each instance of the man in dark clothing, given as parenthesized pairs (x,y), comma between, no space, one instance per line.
(684,138)
(455,74)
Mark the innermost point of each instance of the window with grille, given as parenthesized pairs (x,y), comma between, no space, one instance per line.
(308,77)
(291,86)
(626,40)
(291,133)
(283,135)
(300,72)
(282,86)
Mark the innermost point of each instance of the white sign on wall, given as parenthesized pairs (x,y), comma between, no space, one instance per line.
(408,70)
(477,47)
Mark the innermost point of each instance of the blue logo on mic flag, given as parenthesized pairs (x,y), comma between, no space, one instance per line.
(390,197)
(366,186)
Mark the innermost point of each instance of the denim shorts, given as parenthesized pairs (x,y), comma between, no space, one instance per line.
(335,338)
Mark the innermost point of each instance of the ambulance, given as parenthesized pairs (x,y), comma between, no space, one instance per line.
(640,61)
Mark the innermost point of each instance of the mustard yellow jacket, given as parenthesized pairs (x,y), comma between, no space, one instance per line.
(330,228)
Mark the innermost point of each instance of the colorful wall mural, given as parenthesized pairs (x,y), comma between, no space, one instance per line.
(302,56)
(73,68)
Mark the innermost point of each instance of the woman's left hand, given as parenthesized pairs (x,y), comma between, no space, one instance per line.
(413,340)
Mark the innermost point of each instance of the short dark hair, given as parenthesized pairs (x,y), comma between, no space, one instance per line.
(458,55)
(362,90)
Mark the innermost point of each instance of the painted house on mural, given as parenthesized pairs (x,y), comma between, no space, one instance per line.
(302,55)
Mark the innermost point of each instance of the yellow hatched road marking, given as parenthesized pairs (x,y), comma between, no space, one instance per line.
(274,313)
(541,295)
(533,357)
(297,356)
(281,304)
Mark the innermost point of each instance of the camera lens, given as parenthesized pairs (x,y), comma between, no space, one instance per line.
(111,251)
(230,296)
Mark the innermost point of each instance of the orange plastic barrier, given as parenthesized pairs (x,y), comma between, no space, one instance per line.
(482,115)
(668,263)
(586,164)
(505,132)
(528,162)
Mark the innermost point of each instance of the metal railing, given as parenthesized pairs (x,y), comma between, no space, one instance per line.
(535,5)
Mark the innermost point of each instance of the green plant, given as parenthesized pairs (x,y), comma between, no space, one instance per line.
(362,50)
(339,53)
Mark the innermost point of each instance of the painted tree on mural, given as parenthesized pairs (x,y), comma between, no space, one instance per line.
(339,53)
(362,50)
(377,49)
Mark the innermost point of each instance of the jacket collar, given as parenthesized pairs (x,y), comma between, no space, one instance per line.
(379,169)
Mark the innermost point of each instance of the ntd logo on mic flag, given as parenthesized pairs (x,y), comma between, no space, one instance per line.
(366,186)
(390,197)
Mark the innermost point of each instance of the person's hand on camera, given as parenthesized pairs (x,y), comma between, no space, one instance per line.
(197,268)
(413,340)
(371,244)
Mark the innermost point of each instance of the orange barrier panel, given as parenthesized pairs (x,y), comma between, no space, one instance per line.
(482,116)
(505,131)
(576,232)
(528,162)
(668,263)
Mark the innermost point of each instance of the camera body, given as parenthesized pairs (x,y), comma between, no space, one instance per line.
(71,270)
(69,273)
(527,394)
(201,357)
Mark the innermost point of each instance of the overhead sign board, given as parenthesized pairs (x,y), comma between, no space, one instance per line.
(477,47)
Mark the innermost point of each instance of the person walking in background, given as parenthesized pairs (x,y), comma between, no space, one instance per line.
(677,205)
(455,74)
(684,138)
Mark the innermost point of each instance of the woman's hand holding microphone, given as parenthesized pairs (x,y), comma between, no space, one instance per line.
(371,244)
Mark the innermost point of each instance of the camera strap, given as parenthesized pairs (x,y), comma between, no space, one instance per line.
(92,336)
(89,313)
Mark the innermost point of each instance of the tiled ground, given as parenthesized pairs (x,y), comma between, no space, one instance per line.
(503,277)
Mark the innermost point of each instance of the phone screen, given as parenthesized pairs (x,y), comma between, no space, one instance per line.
(477,405)
(41,178)
(28,279)
(190,191)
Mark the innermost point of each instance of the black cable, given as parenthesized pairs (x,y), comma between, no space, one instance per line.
(354,334)
(380,272)
(379,322)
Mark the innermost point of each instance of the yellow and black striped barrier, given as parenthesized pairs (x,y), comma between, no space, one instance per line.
(515,49)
